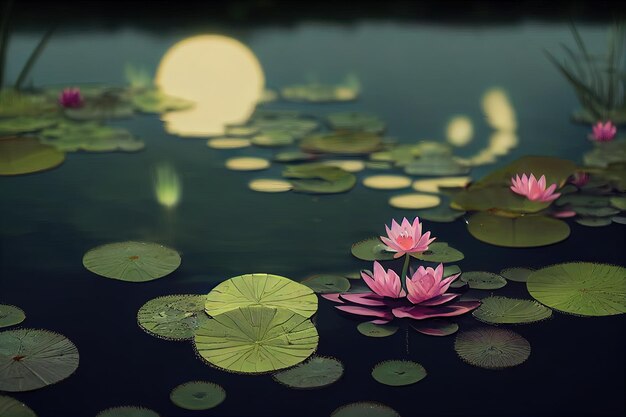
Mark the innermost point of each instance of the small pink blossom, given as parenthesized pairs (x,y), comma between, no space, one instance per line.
(428,286)
(386,284)
(71,98)
(406,238)
(532,189)
(603,132)
(580,178)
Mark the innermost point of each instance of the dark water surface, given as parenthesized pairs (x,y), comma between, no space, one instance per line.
(413,76)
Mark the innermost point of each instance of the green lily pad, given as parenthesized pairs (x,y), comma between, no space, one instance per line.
(362,122)
(618,202)
(520,232)
(594,221)
(435,327)
(32,359)
(482,280)
(495,197)
(155,101)
(241,131)
(261,290)
(503,310)
(440,252)
(317,372)
(132,261)
(365,409)
(556,170)
(90,137)
(371,249)
(198,395)
(273,139)
(319,93)
(172,317)
(10,315)
(492,348)
(255,340)
(14,103)
(441,214)
(584,200)
(516,274)
(322,284)
(580,288)
(295,125)
(106,106)
(398,373)
(618,219)
(127,411)
(595,211)
(24,124)
(436,165)
(24,155)
(343,143)
(10,407)
(293,156)
(449,270)
(319,179)
(370,329)
(606,153)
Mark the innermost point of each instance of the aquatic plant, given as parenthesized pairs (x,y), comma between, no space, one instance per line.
(385,284)
(406,238)
(603,132)
(427,284)
(579,179)
(71,98)
(533,189)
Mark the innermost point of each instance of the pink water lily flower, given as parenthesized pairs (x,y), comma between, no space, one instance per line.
(71,98)
(603,132)
(427,286)
(406,238)
(534,190)
(386,284)
(580,178)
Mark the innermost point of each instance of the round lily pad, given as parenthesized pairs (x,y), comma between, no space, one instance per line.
(228,143)
(319,179)
(109,105)
(24,155)
(398,373)
(435,327)
(266,185)
(90,137)
(261,290)
(503,310)
(127,411)
(153,100)
(618,219)
(10,315)
(370,329)
(516,274)
(414,201)
(492,348)
(327,283)
(436,165)
(247,164)
(255,340)
(440,214)
(482,280)
(519,232)
(273,139)
(387,182)
(32,359)
(344,143)
(198,395)
(24,124)
(293,156)
(440,252)
(172,317)
(618,202)
(583,200)
(594,221)
(365,409)
(595,211)
(371,249)
(348,165)
(580,288)
(132,261)
(10,407)
(317,372)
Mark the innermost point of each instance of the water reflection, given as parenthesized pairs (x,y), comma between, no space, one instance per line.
(460,130)
(221,75)
(168,188)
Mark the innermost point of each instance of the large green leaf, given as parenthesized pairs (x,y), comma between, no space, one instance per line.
(25,124)
(10,407)
(172,317)
(440,252)
(520,232)
(261,290)
(495,197)
(24,155)
(10,315)
(256,340)
(581,288)
(556,171)
(90,137)
(319,179)
(371,249)
(503,310)
(345,143)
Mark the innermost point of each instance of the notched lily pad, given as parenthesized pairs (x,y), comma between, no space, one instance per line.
(398,373)
(198,395)
(325,283)
(370,329)
(371,249)
(482,280)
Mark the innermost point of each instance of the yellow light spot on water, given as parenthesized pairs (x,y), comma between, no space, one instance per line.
(387,182)
(346,164)
(168,188)
(247,164)
(221,75)
(433,185)
(499,110)
(460,130)
(414,201)
(270,185)
(228,143)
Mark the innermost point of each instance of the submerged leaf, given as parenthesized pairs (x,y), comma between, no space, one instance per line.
(398,373)
(198,395)
(325,283)
(317,372)
(367,328)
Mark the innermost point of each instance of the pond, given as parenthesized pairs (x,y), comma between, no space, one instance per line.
(342,118)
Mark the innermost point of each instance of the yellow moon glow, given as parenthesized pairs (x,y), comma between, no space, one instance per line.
(221,75)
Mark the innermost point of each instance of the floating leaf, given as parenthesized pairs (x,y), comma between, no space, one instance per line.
(594,221)
(618,219)
(261,290)
(371,249)
(435,327)
(595,211)
(23,155)
(273,139)
(605,153)
(618,202)
(369,329)
(247,164)
(436,165)
(132,261)
(172,317)
(155,101)
(440,214)
(434,185)
(106,106)
(10,315)
(319,179)
(266,185)
(365,409)
(293,156)
(495,197)
(256,340)
(345,143)
(317,372)
(556,171)
(414,201)
(387,182)
(327,283)
(481,280)
(440,252)
(90,137)
(583,200)
(318,93)
(228,143)
(14,103)
(492,348)
(32,359)
(356,121)
(398,373)
(198,395)
(127,411)
(520,232)
(10,407)
(503,310)
(348,165)
(242,131)
(581,288)
(516,274)
(24,124)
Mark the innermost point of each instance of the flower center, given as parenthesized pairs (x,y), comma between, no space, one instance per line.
(405,240)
